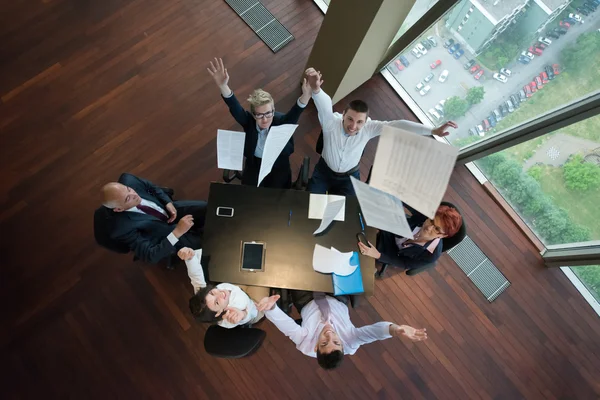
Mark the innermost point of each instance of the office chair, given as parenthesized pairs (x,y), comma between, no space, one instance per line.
(102,234)
(232,343)
(300,183)
(447,244)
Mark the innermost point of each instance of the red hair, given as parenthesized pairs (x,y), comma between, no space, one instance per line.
(451,219)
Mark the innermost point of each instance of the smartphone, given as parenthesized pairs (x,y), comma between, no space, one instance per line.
(225,211)
(253,256)
(362,238)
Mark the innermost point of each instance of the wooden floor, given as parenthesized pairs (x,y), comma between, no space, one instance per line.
(91,89)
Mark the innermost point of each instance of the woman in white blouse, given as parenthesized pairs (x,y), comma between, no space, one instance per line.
(228,305)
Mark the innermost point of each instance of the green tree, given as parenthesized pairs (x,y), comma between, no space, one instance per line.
(475,94)
(535,172)
(580,175)
(455,107)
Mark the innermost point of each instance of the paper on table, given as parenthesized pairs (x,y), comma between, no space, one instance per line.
(318,203)
(330,261)
(230,149)
(413,168)
(381,210)
(277,138)
(331,211)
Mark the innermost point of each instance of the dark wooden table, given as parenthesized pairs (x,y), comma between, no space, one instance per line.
(262,215)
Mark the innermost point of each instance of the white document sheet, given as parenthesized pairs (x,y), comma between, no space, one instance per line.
(277,138)
(329,261)
(318,203)
(413,168)
(331,211)
(381,210)
(230,149)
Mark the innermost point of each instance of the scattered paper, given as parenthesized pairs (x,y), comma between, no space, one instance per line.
(413,168)
(277,138)
(230,149)
(329,261)
(331,211)
(318,203)
(381,210)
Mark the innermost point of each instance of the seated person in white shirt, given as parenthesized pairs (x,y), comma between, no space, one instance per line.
(345,137)
(228,305)
(326,331)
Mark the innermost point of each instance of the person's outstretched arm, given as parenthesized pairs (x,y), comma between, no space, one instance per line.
(321,99)
(292,116)
(373,128)
(221,77)
(385,330)
(195,271)
(281,320)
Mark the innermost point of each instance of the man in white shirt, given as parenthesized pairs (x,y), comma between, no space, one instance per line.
(345,137)
(326,331)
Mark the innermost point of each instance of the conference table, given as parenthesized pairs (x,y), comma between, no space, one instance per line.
(262,215)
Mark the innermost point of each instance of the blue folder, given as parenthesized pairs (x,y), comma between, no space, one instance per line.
(350,284)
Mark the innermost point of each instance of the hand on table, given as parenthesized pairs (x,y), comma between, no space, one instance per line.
(172,212)
(369,251)
(183,226)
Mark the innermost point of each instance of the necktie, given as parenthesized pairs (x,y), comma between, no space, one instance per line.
(323,305)
(153,212)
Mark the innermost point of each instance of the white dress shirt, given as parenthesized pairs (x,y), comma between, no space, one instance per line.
(171,237)
(237,297)
(305,337)
(341,151)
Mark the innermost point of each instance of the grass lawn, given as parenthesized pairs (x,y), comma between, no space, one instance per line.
(590,275)
(582,207)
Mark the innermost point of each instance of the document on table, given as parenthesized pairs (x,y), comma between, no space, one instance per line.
(381,210)
(329,261)
(331,211)
(230,149)
(413,168)
(277,138)
(318,203)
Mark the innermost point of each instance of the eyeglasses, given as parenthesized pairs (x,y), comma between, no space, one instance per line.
(437,228)
(266,115)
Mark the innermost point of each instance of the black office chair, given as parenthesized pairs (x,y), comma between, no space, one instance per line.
(102,233)
(232,343)
(300,183)
(447,244)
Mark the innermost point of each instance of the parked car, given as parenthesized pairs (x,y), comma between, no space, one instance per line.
(514,98)
(399,65)
(522,96)
(504,109)
(428,77)
(419,86)
(544,77)
(431,40)
(440,107)
(453,48)
(564,24)
(435,64)
(561,30)
(570,21)
(469,64)
(523,59)
(404,61)
(497,114)
(415,52)
(575,17)
(478,74)
(448,43)
(538,82)
(549,71)
(535,50)
(553,34)
(505,71)
(422,49)
(540,46)
(533,87)
(545,40)
(436,117)
(492,119)
(527,90)
(474,68)
(443,76)
(486,125)
(426,44)
(473,132)
(425,90)
(555,68)
(510,106)
(583,10)
(480,131)
(527,54)
(500,77)
(591,5)
(458,53)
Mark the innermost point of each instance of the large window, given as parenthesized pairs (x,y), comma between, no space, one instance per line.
(590,277)
(493,66)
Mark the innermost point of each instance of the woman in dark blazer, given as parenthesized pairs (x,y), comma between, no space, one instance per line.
(256,124)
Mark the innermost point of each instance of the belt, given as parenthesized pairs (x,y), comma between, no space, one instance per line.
(347,173)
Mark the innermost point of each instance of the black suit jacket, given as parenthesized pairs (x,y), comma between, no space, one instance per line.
(281,168)
(409,257)
(143,234)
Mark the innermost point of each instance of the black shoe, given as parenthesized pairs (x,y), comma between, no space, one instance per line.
(355,300)
(379,274)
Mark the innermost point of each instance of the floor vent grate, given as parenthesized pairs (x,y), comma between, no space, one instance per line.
(480,270)
(262,22)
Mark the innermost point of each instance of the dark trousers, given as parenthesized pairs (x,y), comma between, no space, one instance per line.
(280,176)
(324,180)
(197,209)
(301,298)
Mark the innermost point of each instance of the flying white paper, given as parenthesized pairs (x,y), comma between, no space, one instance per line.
(329,261)
(413,168)
(318,203)
(230,149)
(331,211)
(381,210)
(277,138)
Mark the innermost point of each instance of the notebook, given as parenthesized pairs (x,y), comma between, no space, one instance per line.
(350,284)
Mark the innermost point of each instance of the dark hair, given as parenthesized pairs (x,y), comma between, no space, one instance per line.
(198,306)
(358,106)
(330,360)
